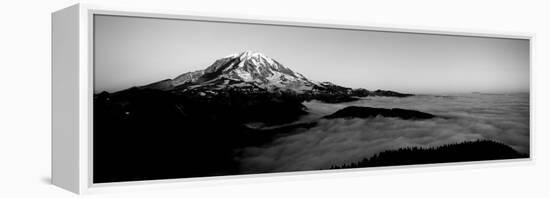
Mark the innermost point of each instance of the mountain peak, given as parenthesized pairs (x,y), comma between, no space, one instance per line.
(257,57)
(246,54)
(251,67)
(250,53)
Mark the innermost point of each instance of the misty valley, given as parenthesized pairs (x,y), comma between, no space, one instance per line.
(248,114)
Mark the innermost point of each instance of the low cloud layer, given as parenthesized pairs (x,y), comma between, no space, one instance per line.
(503,118)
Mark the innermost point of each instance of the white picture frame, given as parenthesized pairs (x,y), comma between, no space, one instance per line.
(72,94)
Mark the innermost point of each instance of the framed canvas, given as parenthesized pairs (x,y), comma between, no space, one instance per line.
(160,97)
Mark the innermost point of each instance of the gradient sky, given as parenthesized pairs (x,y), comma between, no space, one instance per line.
(132,51)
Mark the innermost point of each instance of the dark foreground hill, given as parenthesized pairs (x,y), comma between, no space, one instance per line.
(142,134)
(460,152)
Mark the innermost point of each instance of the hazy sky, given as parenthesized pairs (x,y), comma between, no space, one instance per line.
(131,51)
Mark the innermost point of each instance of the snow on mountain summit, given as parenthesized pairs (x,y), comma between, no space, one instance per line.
(249,67)
(254,74)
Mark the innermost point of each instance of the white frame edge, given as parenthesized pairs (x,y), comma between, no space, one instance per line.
(72,30)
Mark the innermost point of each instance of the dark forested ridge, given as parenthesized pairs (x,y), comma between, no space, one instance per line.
(367,112)
(459,152)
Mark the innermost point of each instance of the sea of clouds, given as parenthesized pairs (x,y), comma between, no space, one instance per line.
(503,118)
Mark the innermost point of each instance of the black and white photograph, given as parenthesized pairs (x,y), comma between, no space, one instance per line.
(175,98)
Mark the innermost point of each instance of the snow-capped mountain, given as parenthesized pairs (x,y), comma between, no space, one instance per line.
(247,69)
(252,72)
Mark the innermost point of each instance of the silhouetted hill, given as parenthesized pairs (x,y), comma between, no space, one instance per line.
(379,92)
(366,112)
(460,152)
(153,134)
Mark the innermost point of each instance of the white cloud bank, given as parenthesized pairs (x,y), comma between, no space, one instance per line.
(503,118)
